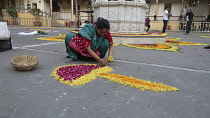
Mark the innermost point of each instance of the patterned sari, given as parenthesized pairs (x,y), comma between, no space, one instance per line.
(86,37)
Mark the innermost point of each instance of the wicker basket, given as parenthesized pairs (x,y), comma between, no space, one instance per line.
(24,62)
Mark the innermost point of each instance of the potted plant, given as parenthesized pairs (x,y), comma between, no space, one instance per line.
(11,10)
(36,12)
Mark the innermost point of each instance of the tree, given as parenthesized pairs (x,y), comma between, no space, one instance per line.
(35,12)
(12,11)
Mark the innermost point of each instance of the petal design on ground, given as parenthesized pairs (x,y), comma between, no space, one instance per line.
(51,38)
(75,75)
(137,83)
(185,43)
(161,47)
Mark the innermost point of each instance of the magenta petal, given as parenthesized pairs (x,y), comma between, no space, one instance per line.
(71,73)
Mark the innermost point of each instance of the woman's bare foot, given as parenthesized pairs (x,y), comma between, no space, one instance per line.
(68,60)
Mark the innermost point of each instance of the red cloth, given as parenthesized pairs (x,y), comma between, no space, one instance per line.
(147,20)
(78,43)
(109,37)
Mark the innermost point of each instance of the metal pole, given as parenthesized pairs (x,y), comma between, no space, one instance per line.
(72,8)
(76,7)
(157,2)
(77,14)
(51,8)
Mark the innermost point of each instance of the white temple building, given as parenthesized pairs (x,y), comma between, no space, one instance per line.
(124,16)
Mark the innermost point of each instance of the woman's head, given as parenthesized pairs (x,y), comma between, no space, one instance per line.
(99,18)
(166,8)
(102,26)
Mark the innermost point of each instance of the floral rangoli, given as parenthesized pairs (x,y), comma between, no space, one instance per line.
(51,38)
(171,42)
(205,36)
(75,75)
(162,47)
(170,45)
(137,83)
(78,74)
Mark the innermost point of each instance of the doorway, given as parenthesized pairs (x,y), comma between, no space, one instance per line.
(169,6)
(34,6)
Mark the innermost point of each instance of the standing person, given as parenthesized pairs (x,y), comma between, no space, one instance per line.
(190,16)
(147,23)
(184,12)
(165,19)
(90,42)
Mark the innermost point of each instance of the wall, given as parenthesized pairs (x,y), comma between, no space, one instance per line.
(41,4)
(158,25)
(123,17)
(66,7)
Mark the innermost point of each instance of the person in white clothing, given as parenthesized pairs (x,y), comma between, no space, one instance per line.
(184,13)
(165,19)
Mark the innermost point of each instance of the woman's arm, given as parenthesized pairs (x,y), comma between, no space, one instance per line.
(95,56)
(110,54)
(111,50)
(111,47)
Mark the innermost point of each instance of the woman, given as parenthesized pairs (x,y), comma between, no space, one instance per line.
(91,41)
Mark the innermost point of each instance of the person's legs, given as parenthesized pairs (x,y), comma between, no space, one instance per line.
(103,47)
(188,26)
(71,53)
(148,28)
(163,31)
(164,25)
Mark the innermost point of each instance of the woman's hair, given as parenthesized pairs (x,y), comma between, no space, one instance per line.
(99,18)
(166,7)
(103,23)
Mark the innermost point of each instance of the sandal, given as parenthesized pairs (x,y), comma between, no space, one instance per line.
(68,60)
(207,47)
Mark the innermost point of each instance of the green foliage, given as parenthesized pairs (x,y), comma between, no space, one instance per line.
(41,33)
(35,12)
(12,11)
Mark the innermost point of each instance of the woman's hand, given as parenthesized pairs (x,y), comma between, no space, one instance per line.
(95,56)
(101,61)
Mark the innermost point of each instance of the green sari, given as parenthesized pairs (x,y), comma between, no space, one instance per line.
(88,32)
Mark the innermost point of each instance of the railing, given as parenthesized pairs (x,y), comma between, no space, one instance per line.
(62,22)
(196,26)
(10,20)
(38,22)
(177,18)
(44,14)
(47,22)
(61,15)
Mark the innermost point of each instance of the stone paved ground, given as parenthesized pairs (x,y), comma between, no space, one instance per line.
(35,94)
